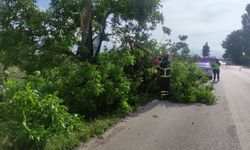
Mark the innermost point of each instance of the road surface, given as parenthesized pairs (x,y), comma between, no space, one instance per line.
(164,125)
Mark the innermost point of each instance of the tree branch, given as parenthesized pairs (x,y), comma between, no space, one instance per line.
(102,33)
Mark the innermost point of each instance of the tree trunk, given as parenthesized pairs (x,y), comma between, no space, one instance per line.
(85,49)
(102,32)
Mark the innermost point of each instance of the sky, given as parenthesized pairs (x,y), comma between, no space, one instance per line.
(43,4)
(201,20)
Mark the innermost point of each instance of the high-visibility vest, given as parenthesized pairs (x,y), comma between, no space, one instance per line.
(165,72)
(216,66)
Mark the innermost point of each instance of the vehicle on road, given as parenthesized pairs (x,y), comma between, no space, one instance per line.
(222,62)
(229,61)
(206,68)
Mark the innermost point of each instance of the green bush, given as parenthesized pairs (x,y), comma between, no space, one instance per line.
(188,84)
(15,73)
(2,82)
(143,78)
(93,89)
(34,111)
(99,126)
(120,82)
(65,141)
(32,120)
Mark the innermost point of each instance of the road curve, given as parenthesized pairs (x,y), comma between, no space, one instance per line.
(163,125)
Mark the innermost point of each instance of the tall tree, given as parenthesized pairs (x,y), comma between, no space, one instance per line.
(234,45)
(246,29)
(237,43)
(129,16)
(22,28)
(206,50)
(36,39)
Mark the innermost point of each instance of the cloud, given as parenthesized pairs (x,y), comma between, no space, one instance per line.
(202,21)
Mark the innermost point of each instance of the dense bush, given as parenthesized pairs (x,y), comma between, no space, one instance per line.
(88,89)
(36,117)
(188,84)
(143,77)
(92,89)
(31,120)
(2,82)
(15,73)
(37,111)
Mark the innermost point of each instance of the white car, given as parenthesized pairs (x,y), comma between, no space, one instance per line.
(206,68)
(222,63)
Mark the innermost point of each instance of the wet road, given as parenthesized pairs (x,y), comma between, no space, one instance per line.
(167,126)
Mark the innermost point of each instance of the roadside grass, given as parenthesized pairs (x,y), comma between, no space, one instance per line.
(99,126)
(72,140)
(94,128)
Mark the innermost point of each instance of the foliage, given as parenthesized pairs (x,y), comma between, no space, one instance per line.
(99,126)
(22,30)
(116,84)
(91,90)
(188,84)
(45,83)
(206,50)
(234,46)
(67,141)
(2,82)
(34,39)
(195,58)
(31,120)
(15,73)
(143,77)
(237,42)
(246,36)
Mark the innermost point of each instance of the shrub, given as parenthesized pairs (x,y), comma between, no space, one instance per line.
(143,78)
(65,141)
(32,120)
(93,89)
(2,82)
(188,84)
(15,73)
(99,126)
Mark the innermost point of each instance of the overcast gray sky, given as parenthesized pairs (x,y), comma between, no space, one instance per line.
(202,21)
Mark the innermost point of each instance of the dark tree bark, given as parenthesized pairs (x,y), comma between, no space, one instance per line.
(85,49)
(102,33)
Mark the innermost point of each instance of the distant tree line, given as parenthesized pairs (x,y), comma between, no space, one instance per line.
(237,43)
(206,50)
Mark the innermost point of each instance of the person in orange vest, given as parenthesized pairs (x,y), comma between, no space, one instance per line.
(164,82)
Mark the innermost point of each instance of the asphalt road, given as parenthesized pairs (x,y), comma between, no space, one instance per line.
(162,125)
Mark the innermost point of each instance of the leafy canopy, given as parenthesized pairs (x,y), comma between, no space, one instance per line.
(237,42)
